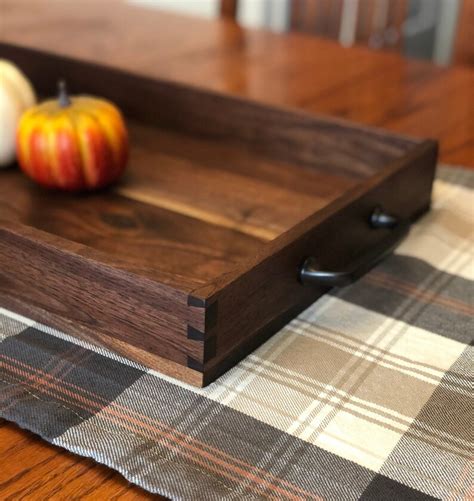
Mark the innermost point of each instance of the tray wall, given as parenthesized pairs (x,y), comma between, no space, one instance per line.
(261,300)
(306,139)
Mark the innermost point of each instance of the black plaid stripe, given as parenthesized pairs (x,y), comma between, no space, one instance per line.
(386,489)
(436,452)
(445,302)
(240,444)
(35,368)
(10,327)
(461,177)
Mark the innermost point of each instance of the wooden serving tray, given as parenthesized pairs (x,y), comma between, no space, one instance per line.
(194,258)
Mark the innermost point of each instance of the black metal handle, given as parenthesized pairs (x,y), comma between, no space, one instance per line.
(310,273)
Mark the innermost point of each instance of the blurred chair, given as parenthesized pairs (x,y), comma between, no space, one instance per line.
(464,48)
(432,29)
(229,9)
(375,22)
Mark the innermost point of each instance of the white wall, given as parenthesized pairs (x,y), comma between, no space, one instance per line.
(264,13)
(258,13)
(202,8)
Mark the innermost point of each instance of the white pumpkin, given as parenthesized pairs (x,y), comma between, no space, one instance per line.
(16,95)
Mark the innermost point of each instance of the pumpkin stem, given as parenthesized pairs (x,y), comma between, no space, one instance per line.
(63,96)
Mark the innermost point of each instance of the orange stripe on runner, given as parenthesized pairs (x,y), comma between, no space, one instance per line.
(171,441)
(171,435)
(411,289)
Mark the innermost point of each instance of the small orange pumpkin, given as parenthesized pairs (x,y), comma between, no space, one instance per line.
(73,143)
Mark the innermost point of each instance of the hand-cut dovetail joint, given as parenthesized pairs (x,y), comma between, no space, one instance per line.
(210,343)
(205,333)
(195,365)
(197,302)
(210,320)
(195,334)
(210,314)
(210,348)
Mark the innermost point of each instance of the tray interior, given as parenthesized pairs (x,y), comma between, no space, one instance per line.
(212,178)
(187,211)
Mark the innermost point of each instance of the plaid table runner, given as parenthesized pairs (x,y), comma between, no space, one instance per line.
(366,395)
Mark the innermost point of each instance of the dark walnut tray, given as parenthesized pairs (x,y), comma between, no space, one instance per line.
(194,258)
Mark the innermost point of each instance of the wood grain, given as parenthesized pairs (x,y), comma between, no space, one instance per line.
(33,469)
(59,284)
(137,235)
(260,207)
(373,88)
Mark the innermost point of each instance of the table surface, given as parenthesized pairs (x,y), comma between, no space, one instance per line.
(376,88)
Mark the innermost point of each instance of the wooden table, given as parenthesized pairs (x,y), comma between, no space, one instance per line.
(317,75)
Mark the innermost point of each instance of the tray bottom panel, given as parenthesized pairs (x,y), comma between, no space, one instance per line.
(227,185)
(147,240)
